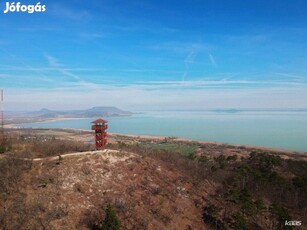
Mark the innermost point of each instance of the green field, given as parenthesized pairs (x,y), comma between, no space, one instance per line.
(183,149)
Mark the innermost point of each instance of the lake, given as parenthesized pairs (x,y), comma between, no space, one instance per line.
(285,130)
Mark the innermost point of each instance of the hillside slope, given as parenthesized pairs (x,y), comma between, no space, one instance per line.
(72,193)
(151,182)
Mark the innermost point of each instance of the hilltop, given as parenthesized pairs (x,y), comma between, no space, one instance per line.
(73,192)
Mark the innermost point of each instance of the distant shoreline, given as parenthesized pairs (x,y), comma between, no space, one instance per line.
(15,125)
(161,138)
(145,137)
(187,140)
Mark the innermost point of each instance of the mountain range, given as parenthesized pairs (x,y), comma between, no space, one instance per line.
(99,111)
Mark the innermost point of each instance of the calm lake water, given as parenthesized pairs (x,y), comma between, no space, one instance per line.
(285,130)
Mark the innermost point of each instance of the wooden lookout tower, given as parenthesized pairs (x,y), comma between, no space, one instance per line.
(100,126)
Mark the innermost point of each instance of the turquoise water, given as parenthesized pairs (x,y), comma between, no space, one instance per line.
(285,130)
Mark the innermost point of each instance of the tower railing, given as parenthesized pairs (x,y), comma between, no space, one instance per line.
(99,127)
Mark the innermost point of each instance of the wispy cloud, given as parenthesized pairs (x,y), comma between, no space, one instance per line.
(212,60)
(56,65)
(190,49)
(292,76)
(46,69)
(23,64)
(52,61)
(190,57)
(19,78)
(134,97)
(189,60)
(223,83)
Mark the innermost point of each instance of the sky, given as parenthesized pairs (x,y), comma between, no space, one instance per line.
(155,54)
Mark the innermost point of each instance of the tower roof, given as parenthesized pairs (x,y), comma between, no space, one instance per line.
(99,121)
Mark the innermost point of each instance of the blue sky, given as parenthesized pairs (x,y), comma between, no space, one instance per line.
(141,55)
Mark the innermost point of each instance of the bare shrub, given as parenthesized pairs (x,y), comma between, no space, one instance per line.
(85,169)
(54,147)
(154,189)
(79,187)
(120,204)
(11,170)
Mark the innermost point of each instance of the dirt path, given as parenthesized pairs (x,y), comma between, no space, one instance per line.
(105,151)
(75,154)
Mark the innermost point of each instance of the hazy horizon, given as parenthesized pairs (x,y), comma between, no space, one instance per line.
(179,110)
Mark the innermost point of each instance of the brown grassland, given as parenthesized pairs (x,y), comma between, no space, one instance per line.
(150,182)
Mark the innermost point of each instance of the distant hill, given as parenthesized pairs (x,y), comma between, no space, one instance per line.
(103,111)
(100,111)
